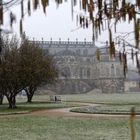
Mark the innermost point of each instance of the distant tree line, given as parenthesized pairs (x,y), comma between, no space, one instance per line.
(24,66)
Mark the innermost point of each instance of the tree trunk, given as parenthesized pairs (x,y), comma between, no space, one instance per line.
(12,102)
(29,98)
(1,99)
(30,92)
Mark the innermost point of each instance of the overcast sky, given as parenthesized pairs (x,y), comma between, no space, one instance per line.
(57,23)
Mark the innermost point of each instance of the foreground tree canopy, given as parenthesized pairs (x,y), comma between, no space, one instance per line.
(24,67)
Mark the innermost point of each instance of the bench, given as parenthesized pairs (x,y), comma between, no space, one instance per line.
(55,98)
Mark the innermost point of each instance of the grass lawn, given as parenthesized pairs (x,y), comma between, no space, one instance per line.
(39,103)
(122,98)
(107,109)
(60,128)
(111,103)
(23,107)
(69,128)
(125,98)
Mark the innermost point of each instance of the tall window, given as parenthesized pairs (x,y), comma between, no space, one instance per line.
(81,73)
(78,51)
(118,72)
(85,52)
(112,70)
(88,73)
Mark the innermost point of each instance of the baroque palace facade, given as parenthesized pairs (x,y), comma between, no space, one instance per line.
(79,69)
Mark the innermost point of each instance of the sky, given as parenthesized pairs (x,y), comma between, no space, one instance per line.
(57,23)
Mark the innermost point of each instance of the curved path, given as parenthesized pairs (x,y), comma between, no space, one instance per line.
(65,112)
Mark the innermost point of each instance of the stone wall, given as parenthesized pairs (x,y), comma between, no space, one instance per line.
(72,86)
(111,85)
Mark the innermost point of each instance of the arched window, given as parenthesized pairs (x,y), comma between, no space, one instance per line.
(66,72)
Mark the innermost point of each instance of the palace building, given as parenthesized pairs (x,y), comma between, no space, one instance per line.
(79,69)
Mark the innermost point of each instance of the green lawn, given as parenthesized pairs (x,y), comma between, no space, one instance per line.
(122,98)
(23,107)
(69,128)
(60,128)
(125,98)
(108,109)
(110,102)
(39,103)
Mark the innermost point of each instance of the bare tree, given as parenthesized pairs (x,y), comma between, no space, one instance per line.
(108,15)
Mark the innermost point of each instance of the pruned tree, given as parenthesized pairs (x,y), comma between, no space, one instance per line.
(38,67)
